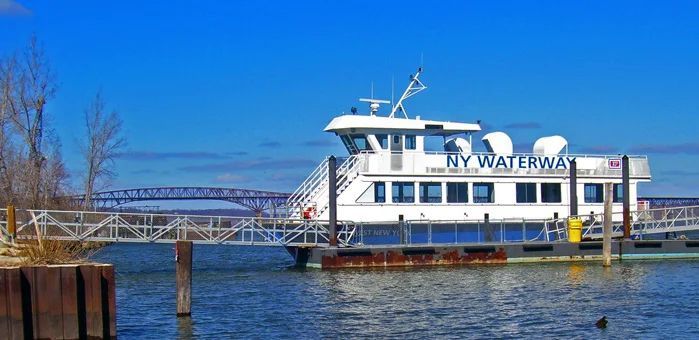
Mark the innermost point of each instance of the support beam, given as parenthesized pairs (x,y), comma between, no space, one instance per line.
(573,188)
(332,200)
(183,256)
(626,185)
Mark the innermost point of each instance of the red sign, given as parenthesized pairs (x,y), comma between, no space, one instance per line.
(614,163)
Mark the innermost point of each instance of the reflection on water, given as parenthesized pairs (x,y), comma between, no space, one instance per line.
(252,292)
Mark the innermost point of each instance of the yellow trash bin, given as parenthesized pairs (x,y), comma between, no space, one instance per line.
(574,230)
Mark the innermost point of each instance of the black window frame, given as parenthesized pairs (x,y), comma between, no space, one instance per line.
(453,188)
(598,194)
(398,196)
(491,192)
(424,192)
(525,192)
(557,193)
(380,195)
(381,139)
(618,195)
(410,146)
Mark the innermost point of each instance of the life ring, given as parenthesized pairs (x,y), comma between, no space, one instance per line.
(309,213)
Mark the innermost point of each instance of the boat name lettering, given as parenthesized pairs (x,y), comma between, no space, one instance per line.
(508,162)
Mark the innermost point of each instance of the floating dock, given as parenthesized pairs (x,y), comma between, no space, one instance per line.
(485,253)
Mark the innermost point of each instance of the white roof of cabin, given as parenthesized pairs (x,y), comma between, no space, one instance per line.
(431,127)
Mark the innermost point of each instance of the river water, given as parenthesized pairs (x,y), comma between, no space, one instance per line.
(251,292)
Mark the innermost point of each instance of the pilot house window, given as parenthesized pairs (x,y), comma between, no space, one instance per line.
(410,143)
(383,141)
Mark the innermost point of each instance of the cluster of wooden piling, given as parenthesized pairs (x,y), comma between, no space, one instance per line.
(58,302)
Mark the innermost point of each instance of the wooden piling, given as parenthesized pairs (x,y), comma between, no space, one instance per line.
(607,228)
(11,221)
(183,250)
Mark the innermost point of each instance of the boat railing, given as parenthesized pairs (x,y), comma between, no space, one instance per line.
(522,154)
(643,222)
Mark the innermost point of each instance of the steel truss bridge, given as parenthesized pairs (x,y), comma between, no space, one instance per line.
(668,202)
(258,231)
(254,200)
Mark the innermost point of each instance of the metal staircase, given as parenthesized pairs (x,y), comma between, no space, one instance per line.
(310,200)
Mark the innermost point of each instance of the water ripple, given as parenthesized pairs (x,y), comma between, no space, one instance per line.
(243,292)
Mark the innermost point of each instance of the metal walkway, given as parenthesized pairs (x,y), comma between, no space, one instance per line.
(159,228)
(253,231)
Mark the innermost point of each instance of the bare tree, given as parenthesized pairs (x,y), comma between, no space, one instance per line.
(32,89)
(103,142)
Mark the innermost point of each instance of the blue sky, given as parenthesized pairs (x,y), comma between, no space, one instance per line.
(236,93)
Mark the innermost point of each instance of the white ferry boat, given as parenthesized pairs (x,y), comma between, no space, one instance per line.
(389,174)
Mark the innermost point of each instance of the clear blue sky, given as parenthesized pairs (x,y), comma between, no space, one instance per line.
(236,93)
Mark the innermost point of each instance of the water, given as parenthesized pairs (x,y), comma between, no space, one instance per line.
(242,292)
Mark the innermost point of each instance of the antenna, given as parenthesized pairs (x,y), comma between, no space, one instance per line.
(393,86)
(414,87)
(372,90)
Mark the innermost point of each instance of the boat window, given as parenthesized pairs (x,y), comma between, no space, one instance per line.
(551,192)
(410,143)
(618,193)
(430,192)
(360,142)
(380,192)
(349,144)
(457,192)
(383,141)
(526,192)
(594,193)
(396,139)
(483,193)
(403,192)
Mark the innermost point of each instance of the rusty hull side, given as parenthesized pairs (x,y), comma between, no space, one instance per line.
(406,256)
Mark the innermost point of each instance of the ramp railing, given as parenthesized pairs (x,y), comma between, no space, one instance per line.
(643,222)
(157,228)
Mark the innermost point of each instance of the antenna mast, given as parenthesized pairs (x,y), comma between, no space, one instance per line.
(414,87)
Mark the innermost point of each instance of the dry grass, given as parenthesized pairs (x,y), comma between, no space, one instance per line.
(56,252)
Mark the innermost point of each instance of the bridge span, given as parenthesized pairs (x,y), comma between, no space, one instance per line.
(255,200)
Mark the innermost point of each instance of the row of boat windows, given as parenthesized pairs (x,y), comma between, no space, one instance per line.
(457,192)
(359,142)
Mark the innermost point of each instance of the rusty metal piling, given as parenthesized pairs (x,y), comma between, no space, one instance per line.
(332,200)
(626,187)
(573,188)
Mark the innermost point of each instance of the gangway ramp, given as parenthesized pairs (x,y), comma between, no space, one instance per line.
(169,228)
